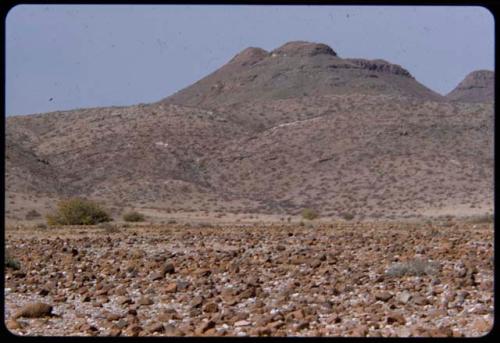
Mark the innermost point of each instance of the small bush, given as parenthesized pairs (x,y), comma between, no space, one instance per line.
(133,217)
(40,226)
(77,211)
(347,216)
(482,219)
(309,213)
(108,228)
(415,267)
(32,214)
(11,262)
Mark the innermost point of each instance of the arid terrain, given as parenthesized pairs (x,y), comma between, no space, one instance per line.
(399,177)
(269,133)
(340,279)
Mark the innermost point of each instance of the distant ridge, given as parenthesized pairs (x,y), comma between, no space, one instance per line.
(478,86)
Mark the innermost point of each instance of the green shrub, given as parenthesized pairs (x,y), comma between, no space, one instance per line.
(133,216)
(309,213)
(11,262)
(78,211)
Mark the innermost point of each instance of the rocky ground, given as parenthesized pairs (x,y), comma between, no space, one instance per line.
(341,279)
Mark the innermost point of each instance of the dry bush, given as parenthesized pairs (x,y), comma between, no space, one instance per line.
(309,213)
(11,262)
(108,228)
(482,219)
(133,216)
(415,267)
(32,214)
(78,211)
(347,216)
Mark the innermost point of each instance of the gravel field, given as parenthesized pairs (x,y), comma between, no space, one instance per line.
(340,279)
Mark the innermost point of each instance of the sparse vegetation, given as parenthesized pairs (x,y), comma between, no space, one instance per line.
(108,228)
(11,262)
(481,219)
(415,267)
(347,216)
(40,226)
(309,214)
(133,216)
(32,214)
(78,211)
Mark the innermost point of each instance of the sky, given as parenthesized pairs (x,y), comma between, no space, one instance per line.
(62,57)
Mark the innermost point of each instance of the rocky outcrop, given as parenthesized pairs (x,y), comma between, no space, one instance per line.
(304,48)
(381,66)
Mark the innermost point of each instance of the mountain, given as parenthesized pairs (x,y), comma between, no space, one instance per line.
(478,86)
(267,133)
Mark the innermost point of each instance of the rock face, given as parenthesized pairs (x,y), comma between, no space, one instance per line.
(478,86)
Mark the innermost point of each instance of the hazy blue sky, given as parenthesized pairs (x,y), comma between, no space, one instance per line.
(62,57)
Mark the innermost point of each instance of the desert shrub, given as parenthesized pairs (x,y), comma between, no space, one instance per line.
(108,228)
(133,216)
(347,216)
(415,267)
(309,213)
(11,262)
(32,214)
(40,226)
(78,211)
(481,219)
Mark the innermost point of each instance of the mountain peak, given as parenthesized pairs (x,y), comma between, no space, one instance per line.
(249,56)
(297,69)
(304,48)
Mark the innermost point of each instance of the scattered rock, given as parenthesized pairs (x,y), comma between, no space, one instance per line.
(145,301)
(242,323)
(403,297)
(204,326)
(34,310)
(171,288)
(396,317)
(210,308)
(383,296)
(156,327)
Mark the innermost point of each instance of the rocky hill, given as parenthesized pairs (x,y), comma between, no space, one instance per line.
(270,133)
(478,86)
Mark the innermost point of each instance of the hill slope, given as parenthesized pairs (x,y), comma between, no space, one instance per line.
(478,86)
(266,133)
